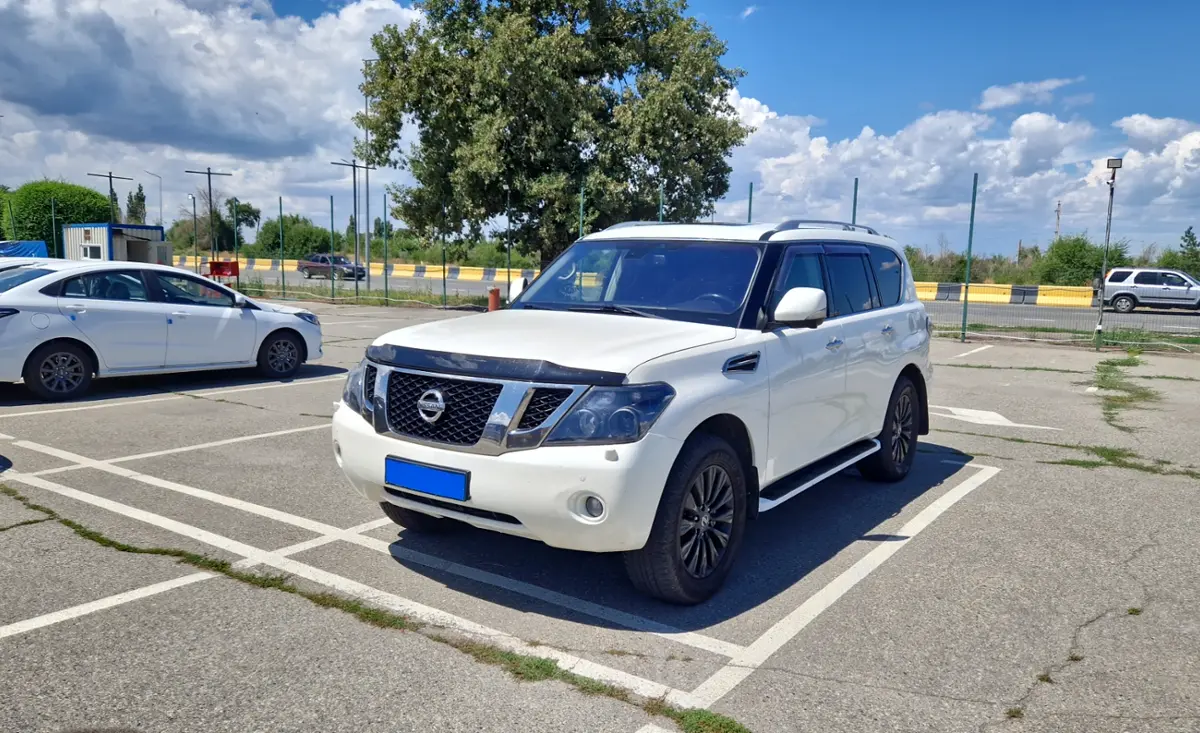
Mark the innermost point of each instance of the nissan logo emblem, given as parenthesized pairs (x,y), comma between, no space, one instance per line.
(431,406)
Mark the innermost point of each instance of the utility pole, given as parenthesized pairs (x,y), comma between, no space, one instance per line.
(966,291)
(195,235)
(354,165)
(1058,220)
(1113,165)
(112,214)
(212,229)
(854,204)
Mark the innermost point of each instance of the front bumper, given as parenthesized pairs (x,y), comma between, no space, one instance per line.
(536,493)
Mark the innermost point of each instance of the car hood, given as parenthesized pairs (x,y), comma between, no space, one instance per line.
(277,308)
(595,341)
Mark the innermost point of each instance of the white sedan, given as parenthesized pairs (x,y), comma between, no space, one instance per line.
(64,322)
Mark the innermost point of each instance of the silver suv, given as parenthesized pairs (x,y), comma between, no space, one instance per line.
(1126,288)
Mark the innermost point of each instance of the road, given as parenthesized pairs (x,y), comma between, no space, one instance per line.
(945,313)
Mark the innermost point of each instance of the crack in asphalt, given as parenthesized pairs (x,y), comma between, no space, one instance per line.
(1075,649)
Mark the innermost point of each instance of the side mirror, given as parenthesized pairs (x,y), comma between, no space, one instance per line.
(239,300)
(516,288)
(801,308)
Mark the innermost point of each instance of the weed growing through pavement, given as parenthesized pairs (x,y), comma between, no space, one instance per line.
(1043,677)
(1134,612)
(1120,392)
(1075,658)
(522,666)
(1108,456)
(1014,713)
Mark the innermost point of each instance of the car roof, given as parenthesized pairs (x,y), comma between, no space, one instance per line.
(57,265)
(787,230)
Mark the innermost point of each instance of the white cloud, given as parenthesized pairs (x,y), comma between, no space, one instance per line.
(1147,133)
(1010,95)
(750,10)
(166,85)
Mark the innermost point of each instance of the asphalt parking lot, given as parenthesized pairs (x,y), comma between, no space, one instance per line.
(1038,571)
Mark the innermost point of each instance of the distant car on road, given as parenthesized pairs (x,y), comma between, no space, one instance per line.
(330,266)
(1126,288)
(64,322)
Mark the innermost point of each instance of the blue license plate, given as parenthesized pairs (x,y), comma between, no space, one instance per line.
(426,479)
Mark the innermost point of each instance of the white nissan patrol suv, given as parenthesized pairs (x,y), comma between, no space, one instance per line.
(653,390)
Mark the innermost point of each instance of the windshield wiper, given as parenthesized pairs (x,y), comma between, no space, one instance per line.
(612,308)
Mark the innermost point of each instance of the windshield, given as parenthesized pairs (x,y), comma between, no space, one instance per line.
(704,282)
(10,279)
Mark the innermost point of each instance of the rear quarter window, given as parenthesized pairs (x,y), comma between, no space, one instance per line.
(1119,276)
(889,274)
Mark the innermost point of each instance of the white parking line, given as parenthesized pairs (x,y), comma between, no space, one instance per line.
(119,599)
(346,586)
(119,402)
(621,618)
(755,655)
(219,443)
(972,351)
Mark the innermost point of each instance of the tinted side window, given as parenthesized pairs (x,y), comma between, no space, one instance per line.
(1147,278)
(888,275)
(1173,279)
(802,270)
(1119,276)
(106,286)
(187,291)
(851,287)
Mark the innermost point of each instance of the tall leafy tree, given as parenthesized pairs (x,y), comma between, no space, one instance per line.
(135,206)
(32,211)
(116,206)
(619,97)
(1189,252)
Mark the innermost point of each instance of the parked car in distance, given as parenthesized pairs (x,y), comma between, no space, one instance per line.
(656,388)
(1126,288)
(64,322)
(322,265)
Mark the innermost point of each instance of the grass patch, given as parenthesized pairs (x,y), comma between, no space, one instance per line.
(1134,611)
(256,288)
(1143,339)
(1045,678)
(524,667)
(1107,456)
(26,523)
(1122,393)
(1075,658)
(1014,713)
(1013,368)
(622,653)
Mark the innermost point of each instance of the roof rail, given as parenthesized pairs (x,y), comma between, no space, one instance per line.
(844,225)
(624,224)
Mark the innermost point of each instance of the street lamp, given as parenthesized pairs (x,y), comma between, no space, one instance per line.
(1114,164)
(160,216)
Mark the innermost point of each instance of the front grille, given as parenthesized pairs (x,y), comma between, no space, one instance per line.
(369,385)
(461,509)
(543,403)
(468,407)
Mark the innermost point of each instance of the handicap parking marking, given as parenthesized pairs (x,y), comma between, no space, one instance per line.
(782,632)
(418,611)
(571,603)
(982,417)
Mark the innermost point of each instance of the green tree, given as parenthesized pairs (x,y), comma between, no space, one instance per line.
(135,206)
(1189,253)
(300,236)
(247,214)
(617,96)
(1075,260)
(31,209)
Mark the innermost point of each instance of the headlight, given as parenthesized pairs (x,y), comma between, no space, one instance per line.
(310,317)
(352,392)
(613,415)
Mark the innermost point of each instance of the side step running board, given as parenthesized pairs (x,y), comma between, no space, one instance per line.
(813,474)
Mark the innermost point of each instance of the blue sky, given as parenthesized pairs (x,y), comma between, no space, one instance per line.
(1032,96)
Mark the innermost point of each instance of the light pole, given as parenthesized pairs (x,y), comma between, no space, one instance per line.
(195,235)
(1113,165)
(160,216)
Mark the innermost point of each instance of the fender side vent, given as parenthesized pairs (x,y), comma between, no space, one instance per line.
(741,363)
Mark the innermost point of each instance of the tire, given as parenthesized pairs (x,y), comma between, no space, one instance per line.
(280,355)
(661,568)
(59,371)
(307,273)
(416,521)
(898,439)
(1123,304)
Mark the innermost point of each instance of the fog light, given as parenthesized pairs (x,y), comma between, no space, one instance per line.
(593,506)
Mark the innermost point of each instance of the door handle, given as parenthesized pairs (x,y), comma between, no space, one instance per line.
(76,307)
(179,314)
(888,330)
(834,345)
